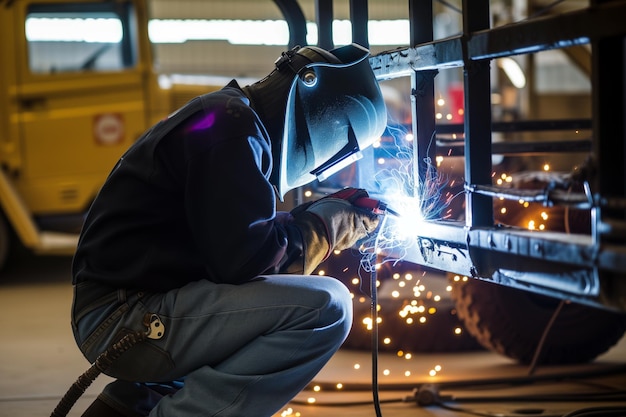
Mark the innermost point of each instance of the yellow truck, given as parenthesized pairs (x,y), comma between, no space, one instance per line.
(77,86)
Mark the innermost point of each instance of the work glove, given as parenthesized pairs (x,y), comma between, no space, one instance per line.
(330,223)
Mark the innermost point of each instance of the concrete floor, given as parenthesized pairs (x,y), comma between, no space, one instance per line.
(39,361)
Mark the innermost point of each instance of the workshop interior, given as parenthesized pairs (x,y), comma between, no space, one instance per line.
(500,179)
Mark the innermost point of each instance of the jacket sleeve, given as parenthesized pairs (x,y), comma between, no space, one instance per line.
(230,207)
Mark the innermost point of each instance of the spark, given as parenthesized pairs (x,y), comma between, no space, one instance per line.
(415,200)
(289,412)
(436,369)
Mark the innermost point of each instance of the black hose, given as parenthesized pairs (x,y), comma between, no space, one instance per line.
(102,363)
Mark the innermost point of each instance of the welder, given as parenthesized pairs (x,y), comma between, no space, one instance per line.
(184,241)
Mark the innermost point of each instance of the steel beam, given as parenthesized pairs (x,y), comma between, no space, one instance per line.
(572,28)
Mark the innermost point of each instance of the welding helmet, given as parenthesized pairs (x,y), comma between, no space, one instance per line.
(333,109)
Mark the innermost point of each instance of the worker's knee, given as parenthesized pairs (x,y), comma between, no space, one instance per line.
(334,304)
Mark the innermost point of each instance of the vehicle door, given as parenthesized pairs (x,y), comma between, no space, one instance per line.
(80,93)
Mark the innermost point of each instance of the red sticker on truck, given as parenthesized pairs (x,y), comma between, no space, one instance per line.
(108,129)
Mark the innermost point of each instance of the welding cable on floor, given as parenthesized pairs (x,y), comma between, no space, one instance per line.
(608,411)
(346,403)
(617,411)
(101,364)
(432,397)
(429,395)
(544,335)
(516,381)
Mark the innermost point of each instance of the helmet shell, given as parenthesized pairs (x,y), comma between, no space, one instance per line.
(334,110)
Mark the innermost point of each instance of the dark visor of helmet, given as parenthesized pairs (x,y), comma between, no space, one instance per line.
(348,154)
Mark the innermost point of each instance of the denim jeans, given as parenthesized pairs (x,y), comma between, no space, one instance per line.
(227,350)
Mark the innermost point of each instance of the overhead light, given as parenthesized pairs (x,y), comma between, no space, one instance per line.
(100,30)
(236,32)
(513,71)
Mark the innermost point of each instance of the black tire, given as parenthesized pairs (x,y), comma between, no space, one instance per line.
(5,241)
(511,322)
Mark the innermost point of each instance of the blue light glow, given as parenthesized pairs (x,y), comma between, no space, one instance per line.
(415,203)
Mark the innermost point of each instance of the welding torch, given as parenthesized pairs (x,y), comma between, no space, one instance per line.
(364,202)
(375,206)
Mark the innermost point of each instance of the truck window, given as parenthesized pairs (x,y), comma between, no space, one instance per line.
(79,37)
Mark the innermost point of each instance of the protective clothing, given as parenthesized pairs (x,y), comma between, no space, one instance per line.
(180,177)
(185,227)
(321,108)
(157,222)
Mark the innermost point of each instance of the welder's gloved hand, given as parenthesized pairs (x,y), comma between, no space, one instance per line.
(332,223)
(283,217)
(345,223)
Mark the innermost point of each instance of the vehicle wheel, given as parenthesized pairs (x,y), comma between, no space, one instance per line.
(5,241)
(511,322)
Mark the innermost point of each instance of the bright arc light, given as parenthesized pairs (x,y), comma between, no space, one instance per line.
(410,221)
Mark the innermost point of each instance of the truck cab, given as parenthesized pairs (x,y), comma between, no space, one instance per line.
(77,87)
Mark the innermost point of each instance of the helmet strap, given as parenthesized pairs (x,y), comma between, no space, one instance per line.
(286,58)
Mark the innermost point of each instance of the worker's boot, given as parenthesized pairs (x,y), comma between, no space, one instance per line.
(129,399)
(99,408)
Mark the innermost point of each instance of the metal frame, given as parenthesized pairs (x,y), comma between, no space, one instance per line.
(590,269)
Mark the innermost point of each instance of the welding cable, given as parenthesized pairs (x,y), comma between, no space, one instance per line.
(616,396)
(605,411)
(617,411)
(608,411)
(101,364)
(442,401)
(486,382)
(429,395)
(546,331)
(374,318)
(470,412)
(346,403)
